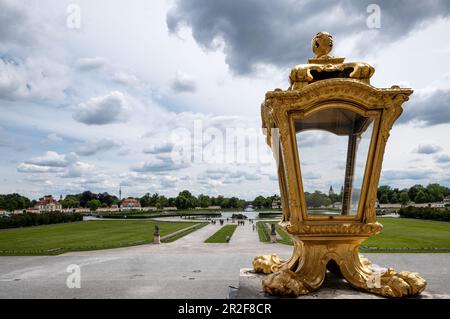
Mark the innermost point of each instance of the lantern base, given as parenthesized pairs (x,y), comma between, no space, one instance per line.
(305,271)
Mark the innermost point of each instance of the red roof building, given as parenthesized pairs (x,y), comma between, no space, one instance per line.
(48,204)
(130,203)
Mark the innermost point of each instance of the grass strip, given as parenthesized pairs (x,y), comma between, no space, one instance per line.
(221,235)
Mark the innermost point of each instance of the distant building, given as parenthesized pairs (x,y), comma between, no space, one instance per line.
(48,204)
(447,201)
(170,208)
(337,205)
(152,208)
(389,205)
(107,209)
(330,191)
(81,210)
(214,207)
(276,204)
(130,203)
(438,205)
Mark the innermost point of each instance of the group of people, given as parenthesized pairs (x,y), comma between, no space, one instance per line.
(239,222)
(214,221)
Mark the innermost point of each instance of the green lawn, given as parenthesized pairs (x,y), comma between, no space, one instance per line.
(285,239)
(410,233)
(399,235)
(221,235)
(79,236)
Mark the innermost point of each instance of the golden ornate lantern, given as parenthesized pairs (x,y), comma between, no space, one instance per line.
(330,98)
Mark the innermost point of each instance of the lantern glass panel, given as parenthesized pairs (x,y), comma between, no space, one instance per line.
(333,145)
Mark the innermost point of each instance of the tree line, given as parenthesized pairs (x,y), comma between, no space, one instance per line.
(186,200)
(417,194)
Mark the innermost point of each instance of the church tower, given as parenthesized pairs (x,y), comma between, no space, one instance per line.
(331,191)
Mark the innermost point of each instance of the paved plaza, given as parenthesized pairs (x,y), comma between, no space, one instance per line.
(186,268)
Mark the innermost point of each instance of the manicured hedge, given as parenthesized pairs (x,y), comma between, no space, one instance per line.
(425,213)
(31,219)
(263,231)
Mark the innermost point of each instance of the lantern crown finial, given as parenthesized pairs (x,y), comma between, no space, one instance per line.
(322,44)
(323,66)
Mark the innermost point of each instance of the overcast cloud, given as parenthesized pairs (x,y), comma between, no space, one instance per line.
(275,32)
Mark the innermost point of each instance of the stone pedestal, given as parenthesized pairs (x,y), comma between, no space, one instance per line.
(157,239)
(335,287)
(273,239)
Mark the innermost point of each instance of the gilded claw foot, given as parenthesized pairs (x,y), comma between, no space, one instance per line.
(267,264)
(284,282)
(398,284)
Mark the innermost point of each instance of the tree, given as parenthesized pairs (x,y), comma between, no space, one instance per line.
(383,190)
(14,201)
(259,202)
(421,197)
(107,199)
(435,192)
(93,204)
(162,202)
(404,198)
(412,192)
(182,202)
(86,197)
(70,201)
(317,199)
(204,201)
(394,198)
(384,199)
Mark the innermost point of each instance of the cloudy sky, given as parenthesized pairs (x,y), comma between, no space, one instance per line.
(97,94)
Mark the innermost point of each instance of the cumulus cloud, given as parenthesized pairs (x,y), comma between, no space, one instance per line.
(102,145)
(408,174)
(55,138)
(16,21)
(32,78)
(183,82)
(102,110)
(78,169)
(134,178)
(312,138)
(226,174)
(32,168)
(311,176)
(90,64)
(428,109)
(159,163)
(159,148)
(428,148)
(442,158)
(276,32)
(125,78)
(168,181)
(53,159)
(63,165)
